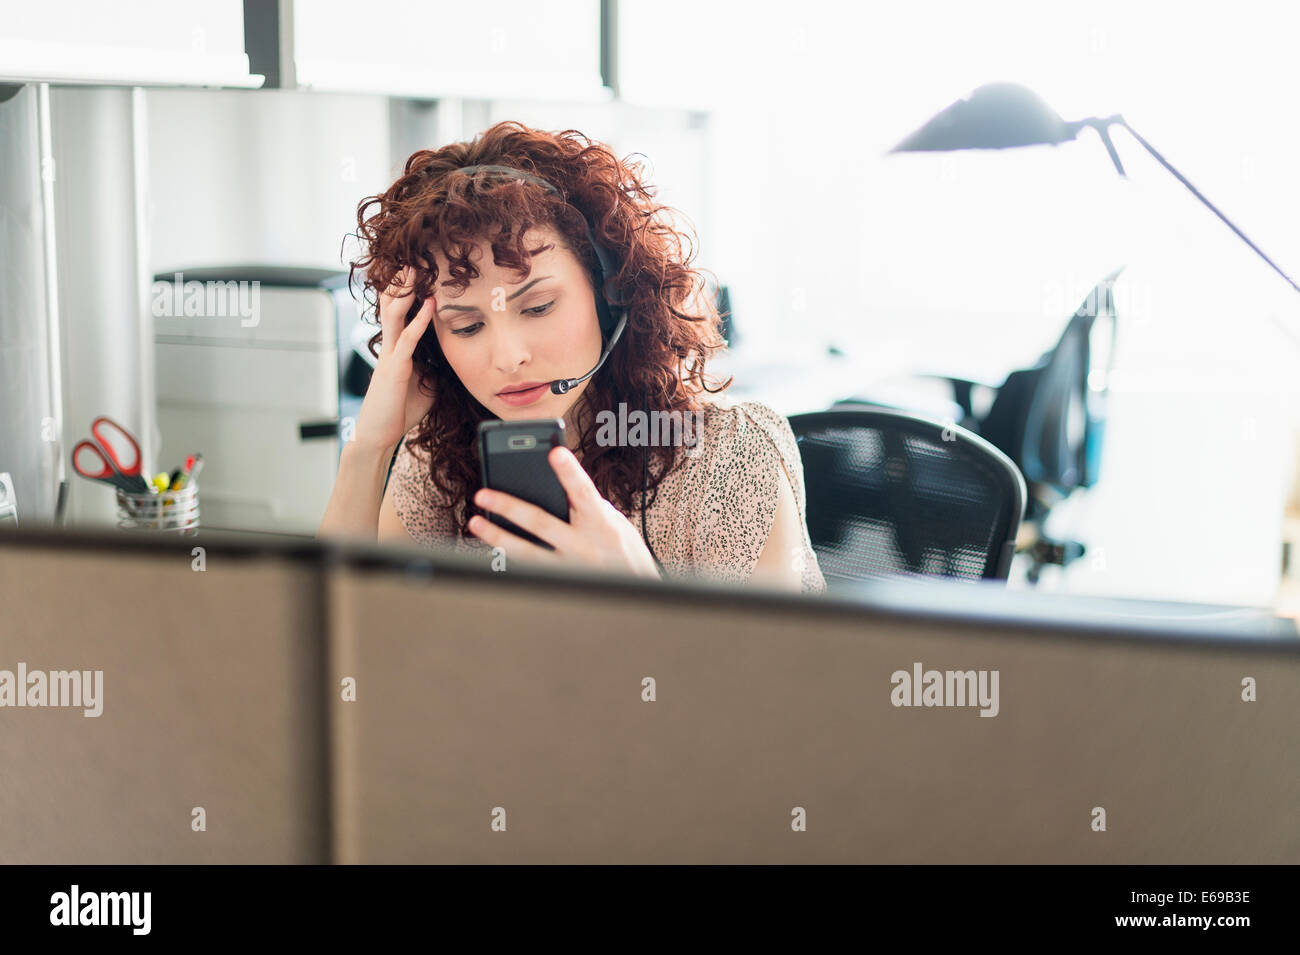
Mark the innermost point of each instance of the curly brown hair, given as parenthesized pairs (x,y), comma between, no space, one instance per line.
(672,327)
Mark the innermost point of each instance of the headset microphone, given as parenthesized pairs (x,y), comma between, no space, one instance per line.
(563,385)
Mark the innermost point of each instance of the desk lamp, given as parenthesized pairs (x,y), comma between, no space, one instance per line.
(1005,115)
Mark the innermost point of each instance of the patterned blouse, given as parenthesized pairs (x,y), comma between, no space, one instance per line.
(712,515)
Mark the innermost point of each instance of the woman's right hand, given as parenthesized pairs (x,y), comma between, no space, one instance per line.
(394,403)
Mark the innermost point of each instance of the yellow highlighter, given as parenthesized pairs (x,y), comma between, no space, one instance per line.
(161,482)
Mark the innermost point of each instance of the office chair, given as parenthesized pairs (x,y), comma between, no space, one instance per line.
(891,493)
(1049,419)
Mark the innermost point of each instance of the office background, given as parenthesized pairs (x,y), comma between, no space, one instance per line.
(767,127)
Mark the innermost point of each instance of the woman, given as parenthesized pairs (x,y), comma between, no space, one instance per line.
(543,239)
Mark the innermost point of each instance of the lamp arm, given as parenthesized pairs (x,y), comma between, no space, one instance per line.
(1119,120)
(1102,126)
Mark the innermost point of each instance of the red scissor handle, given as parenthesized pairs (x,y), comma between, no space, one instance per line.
(114,440)
(103,470)
(108,446)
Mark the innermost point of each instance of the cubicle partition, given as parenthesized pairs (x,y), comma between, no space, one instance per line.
(357,704)
(209,744)
(525,701)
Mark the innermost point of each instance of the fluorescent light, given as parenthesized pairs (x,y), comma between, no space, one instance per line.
(28,61)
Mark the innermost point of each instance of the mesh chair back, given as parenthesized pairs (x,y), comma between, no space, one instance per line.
(1048,418)
(891,493)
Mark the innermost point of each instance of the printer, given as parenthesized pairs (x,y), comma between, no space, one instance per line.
(249,371)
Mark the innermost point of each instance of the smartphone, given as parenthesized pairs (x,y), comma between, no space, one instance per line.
(513,459)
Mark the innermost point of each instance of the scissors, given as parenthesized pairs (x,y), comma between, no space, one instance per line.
(108,442)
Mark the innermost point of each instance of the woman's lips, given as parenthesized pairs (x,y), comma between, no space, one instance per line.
(520,398)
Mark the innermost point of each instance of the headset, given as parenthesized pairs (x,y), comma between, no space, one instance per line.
(612,314)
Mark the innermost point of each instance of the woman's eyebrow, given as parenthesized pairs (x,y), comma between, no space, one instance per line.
(475,308)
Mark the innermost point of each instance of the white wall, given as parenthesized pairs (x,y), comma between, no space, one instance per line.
(270,177)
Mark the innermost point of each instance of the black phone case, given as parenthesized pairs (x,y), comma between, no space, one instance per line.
(512,457)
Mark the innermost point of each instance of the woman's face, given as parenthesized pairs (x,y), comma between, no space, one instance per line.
(502,334)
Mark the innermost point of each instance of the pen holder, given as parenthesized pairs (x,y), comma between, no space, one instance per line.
(160,511)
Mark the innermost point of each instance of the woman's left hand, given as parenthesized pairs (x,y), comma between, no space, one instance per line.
(596,535)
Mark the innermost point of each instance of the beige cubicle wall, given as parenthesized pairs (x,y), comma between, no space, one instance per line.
(504,718)
(481,699)
(211,700)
